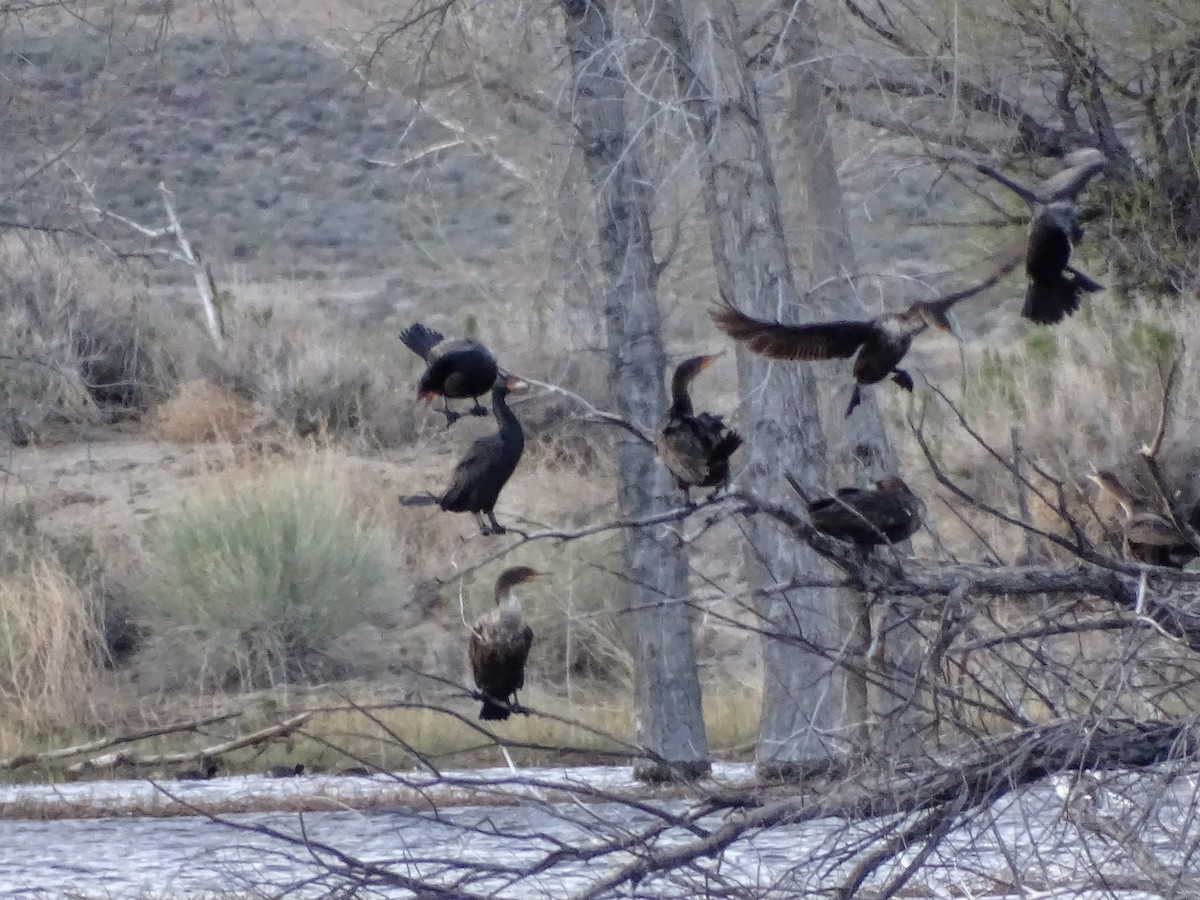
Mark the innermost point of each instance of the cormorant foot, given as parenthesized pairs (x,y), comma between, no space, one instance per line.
(855,399)
(903,379)
(479,409)
(451,416)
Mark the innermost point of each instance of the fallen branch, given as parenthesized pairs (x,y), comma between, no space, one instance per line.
(263,736)
(29,759)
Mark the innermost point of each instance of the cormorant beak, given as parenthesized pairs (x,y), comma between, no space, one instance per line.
(516,384)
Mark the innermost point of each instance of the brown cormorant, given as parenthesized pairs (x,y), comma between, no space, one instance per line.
(457,369)
(1054,285)
(499,646)
(886,515)
(1150,538)
(694,448)
(880,343)
(482,473)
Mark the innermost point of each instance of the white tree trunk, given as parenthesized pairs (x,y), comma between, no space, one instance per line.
(667,686)
(802,686)
(858,445)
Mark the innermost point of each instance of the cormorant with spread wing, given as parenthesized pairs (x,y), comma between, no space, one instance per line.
(499,647)
(1150,538)
(886,515)
(481,474)
(880,343)
(694,447)
(1054,284)
(457,369)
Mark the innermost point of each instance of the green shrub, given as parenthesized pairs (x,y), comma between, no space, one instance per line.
(251,580)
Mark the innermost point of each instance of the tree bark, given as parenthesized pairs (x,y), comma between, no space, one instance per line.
(667,686)
(827,253)
(802,690)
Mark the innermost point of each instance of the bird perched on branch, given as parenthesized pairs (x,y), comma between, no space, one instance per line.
(456,370)
(1055,285)
(499,646)
(1149,537)
(880,343)
(483,472)
(694,447)
(886,515)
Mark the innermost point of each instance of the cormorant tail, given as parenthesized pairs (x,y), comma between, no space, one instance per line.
(420,339)
(1049,304)
(493,712)
(425,499)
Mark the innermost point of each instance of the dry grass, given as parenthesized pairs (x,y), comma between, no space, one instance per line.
(1085,393)
(48,634)
(199,412)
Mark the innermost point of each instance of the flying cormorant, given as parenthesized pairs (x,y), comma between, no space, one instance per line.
(886,515)
(499,646)
(457,369)
(482,473)
(1054,285)
(694,448)
(880,343)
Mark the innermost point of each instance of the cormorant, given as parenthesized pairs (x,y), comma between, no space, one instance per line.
(488,464)
(457,369)
(208,772)
(285,771)
(880,343)
(694,448)
(1054,285)
(886,515)
(499,646)
(1151,538)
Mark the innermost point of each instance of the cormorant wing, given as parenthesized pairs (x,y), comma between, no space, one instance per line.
(816,341)
(1020,190)
(934,311)
(1065,185)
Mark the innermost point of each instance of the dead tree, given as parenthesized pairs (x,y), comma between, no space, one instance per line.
(802,702)
(667,689)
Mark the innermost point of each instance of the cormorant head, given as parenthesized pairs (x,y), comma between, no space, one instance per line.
(892,484)
(424,391)
(509,384)
(510,578)
(690,368)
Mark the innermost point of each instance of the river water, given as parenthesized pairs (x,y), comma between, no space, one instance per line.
(1029,844)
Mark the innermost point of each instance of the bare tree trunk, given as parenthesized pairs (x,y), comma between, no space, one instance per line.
(667,686)
(803,687)
(860,440)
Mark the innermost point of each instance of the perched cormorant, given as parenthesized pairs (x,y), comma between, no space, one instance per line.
(1151,538)
(457,369)
(886,515)
(1054,285)
(499,646)
(488,464)
(285,771)
(880,343)
(695,448)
